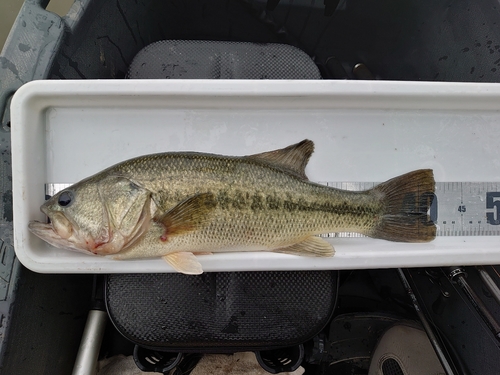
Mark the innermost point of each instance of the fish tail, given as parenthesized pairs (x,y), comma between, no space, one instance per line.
(406,202)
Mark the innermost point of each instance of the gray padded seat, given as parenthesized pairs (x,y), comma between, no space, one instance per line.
(186,59)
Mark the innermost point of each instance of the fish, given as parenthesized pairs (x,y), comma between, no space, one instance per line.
(177,205)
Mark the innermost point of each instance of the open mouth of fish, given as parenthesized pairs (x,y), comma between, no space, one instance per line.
(46,232)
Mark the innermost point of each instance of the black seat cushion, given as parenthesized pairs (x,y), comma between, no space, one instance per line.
(225,311)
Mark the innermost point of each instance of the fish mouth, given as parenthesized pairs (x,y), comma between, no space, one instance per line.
(40,229)
(47,233)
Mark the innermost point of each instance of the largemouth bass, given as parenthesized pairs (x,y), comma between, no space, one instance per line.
(174,205)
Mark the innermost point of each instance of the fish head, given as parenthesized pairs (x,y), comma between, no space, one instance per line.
(97,215)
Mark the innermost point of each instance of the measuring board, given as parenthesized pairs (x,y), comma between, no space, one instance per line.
(457,209)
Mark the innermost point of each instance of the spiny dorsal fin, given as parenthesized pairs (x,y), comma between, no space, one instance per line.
(293,158)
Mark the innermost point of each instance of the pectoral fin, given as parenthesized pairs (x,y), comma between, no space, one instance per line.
(184,262)
(312,246)
(188,215)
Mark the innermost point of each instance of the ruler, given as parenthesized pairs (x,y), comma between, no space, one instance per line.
(458,208)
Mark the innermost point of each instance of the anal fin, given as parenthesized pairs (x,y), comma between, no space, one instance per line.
(184,262)
(203,253)
(312,246)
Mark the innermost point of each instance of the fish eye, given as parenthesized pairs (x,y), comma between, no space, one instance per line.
(66,198)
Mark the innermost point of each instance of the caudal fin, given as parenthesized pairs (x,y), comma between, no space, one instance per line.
(407,200)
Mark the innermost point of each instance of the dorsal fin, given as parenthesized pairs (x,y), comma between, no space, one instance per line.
(293,158)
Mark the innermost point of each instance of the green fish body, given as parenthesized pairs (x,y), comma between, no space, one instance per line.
(175,205)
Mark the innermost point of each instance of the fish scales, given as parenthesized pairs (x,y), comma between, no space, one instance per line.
(259,203)
(176,204)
